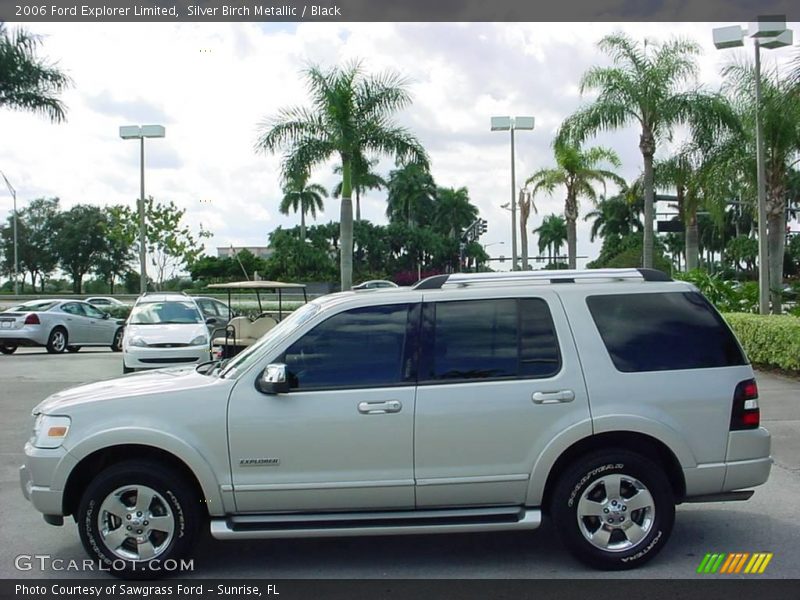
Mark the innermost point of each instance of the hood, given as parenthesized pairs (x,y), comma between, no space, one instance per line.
(176,333)
(161,381)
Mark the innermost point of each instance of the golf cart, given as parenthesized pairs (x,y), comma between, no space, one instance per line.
(242,332)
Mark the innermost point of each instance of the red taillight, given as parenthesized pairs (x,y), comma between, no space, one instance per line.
(32,319)
(745,413)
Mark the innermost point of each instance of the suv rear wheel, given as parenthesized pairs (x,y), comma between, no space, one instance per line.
(137,512)
(614,509)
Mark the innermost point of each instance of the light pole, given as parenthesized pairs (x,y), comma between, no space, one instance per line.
(135,132)
(511,124)
(16,251)
(767,32)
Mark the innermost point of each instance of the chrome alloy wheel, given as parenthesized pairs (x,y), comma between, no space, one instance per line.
(615,513)
(136,523)
(59,341)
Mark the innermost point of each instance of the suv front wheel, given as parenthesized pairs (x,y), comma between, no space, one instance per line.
(614,509)
(136,516)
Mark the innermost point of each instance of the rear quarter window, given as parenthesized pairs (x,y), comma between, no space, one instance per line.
(663,332)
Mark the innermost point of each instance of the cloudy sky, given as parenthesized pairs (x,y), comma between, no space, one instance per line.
(211,84)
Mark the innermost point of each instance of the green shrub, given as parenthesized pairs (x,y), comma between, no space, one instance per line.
(770,340)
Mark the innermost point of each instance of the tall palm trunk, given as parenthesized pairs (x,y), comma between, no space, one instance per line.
(776,240)
(346,227)
(571,216)
(302,221)
(647,145)
(692,240)
(524,213)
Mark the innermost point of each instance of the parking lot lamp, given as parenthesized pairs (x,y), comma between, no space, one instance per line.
(16,251)
(768,32)
(511,124)
(136,132)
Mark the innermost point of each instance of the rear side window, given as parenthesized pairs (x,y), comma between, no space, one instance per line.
(663,332)
(489,339)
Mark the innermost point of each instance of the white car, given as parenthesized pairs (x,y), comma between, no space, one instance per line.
(104,301)
(164,330)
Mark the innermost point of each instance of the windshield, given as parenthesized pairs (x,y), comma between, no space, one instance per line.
(35,306)
(242,361)
(165,312)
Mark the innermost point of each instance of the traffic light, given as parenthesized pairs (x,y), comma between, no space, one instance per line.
(482,226)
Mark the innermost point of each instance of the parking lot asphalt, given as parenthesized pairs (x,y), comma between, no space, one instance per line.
(769,522)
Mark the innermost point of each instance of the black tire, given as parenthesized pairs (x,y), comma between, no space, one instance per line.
(58,341)
(116,344)
(8,349)
(73,349)
(624,546)
(172,497)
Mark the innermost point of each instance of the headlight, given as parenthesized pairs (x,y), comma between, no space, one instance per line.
(200,340)
(49,431)
(137,341)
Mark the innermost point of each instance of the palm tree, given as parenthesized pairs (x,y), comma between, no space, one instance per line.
(363,179)
(644,87)
(552,235)
(617,216)
(26,82)
(298,195)
(780,120)
(578,172)
(453,211)
(411,195)
(351,115)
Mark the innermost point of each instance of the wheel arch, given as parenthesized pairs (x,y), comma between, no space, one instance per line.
(644,444)
(94,462)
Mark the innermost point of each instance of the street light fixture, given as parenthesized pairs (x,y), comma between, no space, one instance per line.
(16,251)
(135,132)
(767,32)
(511,124)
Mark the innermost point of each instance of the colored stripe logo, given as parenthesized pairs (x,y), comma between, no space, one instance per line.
(724,563)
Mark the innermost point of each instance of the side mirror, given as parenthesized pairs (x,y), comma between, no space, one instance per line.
(211,320)
(106,315)
(274,380)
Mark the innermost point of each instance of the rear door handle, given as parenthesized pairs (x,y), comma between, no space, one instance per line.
(379,408)
(553,397)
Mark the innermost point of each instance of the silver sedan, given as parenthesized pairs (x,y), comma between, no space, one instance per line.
(58,325)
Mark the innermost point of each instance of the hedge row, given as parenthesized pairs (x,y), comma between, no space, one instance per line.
(770,340)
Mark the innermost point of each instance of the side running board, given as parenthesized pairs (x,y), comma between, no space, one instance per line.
(375,523)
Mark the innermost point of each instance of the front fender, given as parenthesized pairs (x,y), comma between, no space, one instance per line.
(216,502)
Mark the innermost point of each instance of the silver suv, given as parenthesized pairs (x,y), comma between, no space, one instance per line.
(599,399)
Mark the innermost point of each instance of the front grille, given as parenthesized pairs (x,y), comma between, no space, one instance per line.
(167,345)
(166,361)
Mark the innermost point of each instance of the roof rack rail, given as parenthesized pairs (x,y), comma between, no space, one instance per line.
(559,276)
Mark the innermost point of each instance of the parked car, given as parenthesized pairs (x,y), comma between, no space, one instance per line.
(470,402)
(164,330)
(217,313)
(104,301)
(58,325)
(374,284)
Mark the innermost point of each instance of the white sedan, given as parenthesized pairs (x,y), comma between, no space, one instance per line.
(58,325)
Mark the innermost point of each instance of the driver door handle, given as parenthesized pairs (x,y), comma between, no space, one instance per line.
(380,408)
(553,397)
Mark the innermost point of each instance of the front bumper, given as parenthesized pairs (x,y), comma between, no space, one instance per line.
(136,357)
(40,478)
